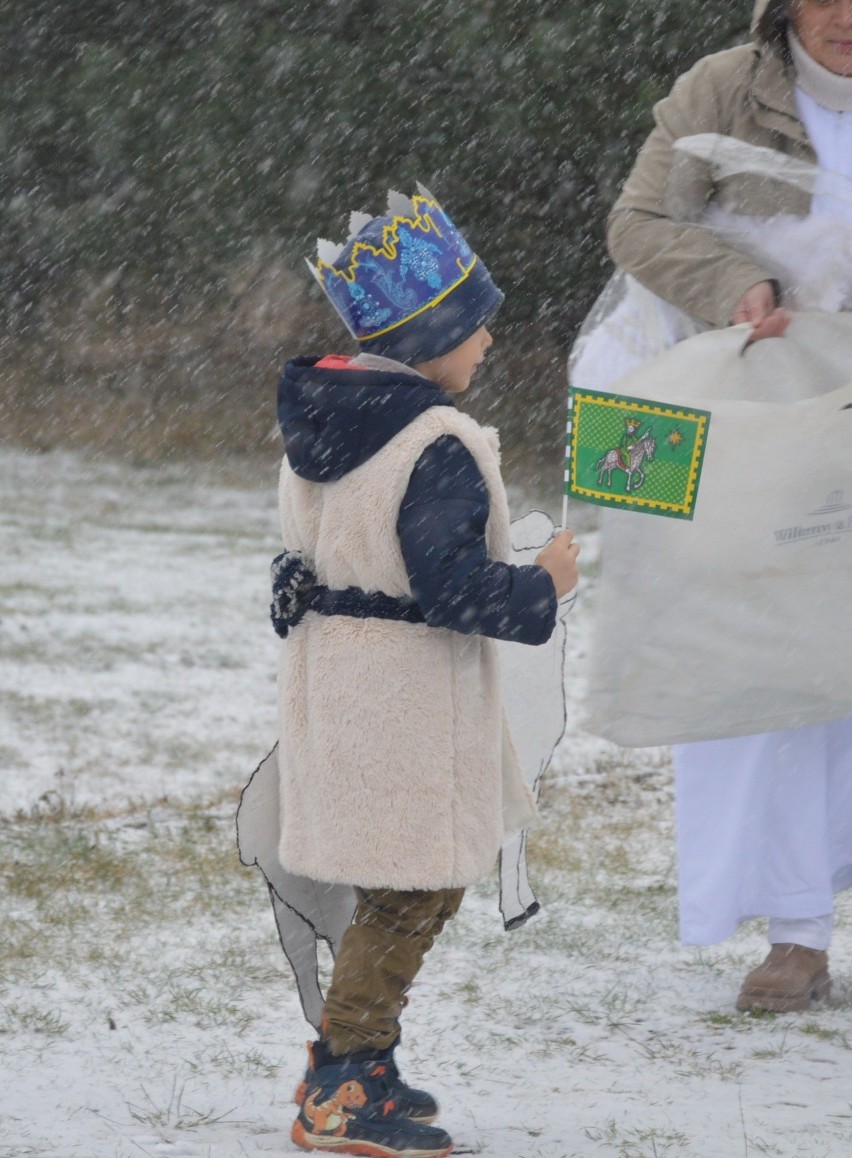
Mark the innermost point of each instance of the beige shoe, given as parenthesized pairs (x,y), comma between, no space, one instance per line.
(788,980)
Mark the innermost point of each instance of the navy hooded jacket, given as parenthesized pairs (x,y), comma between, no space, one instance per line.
(334,418)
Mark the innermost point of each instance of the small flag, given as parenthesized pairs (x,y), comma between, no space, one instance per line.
(633,453)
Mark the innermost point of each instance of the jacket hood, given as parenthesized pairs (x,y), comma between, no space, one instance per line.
(769,21)
(333,419)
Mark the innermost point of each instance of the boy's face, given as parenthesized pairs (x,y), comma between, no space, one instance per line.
(453,371)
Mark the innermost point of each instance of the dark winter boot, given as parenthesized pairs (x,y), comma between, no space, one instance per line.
(349,1109)
(414,1104)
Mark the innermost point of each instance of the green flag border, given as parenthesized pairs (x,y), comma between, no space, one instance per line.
(686,510)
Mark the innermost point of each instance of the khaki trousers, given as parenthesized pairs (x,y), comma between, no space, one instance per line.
(379,956)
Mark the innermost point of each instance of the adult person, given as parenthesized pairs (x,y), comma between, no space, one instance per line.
(764,821)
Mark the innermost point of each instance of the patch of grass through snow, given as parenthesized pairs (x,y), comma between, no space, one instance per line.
(608,849)
(31,1019)
(85,896)
(174,1112)
(639,1143)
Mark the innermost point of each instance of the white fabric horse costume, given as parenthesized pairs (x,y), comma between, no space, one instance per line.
(307,911)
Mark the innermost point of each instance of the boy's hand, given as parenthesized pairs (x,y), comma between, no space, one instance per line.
(559,559)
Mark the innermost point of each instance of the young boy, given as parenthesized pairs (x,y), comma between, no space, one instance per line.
(397,773)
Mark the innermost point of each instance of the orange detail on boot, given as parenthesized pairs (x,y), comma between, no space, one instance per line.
(302,1088)
(332,1115)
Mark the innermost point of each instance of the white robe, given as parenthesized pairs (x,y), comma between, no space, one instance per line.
(764,827)
(764,822)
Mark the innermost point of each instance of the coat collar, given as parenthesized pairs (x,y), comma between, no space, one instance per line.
(336,414)
(773,97)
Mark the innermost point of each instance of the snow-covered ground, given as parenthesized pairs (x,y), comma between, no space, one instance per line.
(145,1006)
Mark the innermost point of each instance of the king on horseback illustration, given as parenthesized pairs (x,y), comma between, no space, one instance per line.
(628,456)
(634,453)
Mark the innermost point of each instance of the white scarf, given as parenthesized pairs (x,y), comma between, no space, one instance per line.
(827,88)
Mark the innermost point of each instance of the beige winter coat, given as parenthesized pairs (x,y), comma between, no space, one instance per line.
(747,93)
(396,767)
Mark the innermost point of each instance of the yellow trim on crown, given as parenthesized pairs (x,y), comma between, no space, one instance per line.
(390,240)
(428,306)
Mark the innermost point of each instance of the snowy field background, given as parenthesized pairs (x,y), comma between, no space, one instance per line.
(145,1006)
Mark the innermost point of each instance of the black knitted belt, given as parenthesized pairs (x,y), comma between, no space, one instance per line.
(359,604)
(295,591)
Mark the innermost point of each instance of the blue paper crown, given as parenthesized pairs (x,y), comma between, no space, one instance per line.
(394,267)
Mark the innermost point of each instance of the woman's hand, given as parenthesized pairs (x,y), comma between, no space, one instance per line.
(559,559)
(759,305)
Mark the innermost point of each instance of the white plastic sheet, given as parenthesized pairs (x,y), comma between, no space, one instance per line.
(741,620)
(811,257)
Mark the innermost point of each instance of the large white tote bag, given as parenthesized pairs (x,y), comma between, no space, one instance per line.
(739,621)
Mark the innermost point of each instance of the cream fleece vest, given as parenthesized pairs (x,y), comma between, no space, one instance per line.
(397,770)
